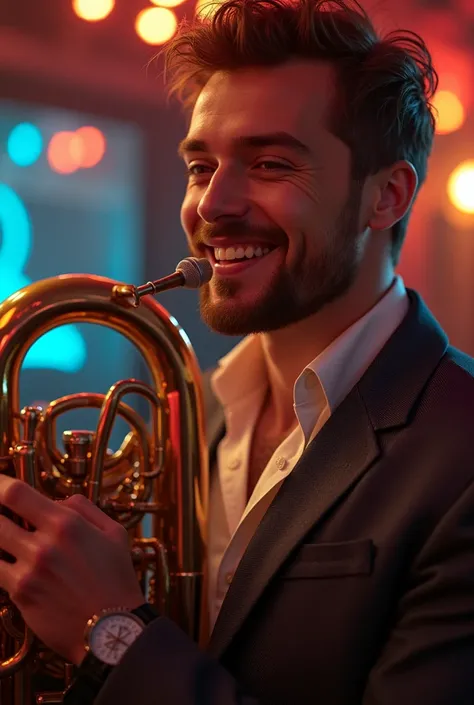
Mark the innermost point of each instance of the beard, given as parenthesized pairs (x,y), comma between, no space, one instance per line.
(292,296)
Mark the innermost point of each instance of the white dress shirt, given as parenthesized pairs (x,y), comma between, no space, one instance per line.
(240,383)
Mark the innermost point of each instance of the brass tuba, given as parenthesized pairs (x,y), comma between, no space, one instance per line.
(155,484)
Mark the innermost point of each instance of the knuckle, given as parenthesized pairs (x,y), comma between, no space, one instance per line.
(68,527)
(118,532)
(44,559)
(76,500)
(24,589)
(14,494)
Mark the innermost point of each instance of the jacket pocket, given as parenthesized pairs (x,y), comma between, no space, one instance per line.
(332,560)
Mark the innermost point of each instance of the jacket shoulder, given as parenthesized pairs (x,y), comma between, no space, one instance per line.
(460,364)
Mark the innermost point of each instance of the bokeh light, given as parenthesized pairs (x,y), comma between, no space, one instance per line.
(93,10)
(24,144)
(451,113)
(461,187)
(167,3)
(65,152)
(92,146)
(156,25)
(69,151)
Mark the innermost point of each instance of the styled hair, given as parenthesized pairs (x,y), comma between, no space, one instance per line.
(381,109)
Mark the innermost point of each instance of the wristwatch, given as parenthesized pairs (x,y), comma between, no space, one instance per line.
(107,637)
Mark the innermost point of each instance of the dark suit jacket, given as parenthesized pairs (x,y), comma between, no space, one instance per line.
(358,586)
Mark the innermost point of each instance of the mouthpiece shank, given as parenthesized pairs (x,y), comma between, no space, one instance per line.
(191,273)
(159,285)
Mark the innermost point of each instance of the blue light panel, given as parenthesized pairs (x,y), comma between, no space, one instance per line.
(62,348)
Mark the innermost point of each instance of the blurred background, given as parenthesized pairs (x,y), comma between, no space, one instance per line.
(90,180)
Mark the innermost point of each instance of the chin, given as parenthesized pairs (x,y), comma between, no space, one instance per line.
(239,320)
(224,312)
(226,319)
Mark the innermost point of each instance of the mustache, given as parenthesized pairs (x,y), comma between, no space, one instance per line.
(206,232)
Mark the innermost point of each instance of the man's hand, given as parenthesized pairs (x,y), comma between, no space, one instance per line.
(75,563)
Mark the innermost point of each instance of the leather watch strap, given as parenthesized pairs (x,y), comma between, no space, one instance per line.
(146,612)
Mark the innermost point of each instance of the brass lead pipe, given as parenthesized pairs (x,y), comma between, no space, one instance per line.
(175,479)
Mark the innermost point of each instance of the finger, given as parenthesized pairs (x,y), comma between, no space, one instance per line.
(89,511)
(7,576)
(14,539)
(27,503)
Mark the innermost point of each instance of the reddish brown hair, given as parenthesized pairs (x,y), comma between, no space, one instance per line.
(382,110)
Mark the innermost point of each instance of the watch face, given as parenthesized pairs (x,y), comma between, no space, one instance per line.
(112,635)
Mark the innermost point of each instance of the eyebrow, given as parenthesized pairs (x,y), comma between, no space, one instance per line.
(272,139)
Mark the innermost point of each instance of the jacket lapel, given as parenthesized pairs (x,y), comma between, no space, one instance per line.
(326,471)
(215,421)
(335,461)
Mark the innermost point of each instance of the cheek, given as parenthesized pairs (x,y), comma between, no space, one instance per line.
(189,214)
(281,209)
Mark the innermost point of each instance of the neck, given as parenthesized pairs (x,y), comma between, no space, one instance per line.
(289,350)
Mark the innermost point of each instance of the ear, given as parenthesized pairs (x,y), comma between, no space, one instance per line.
(395,189)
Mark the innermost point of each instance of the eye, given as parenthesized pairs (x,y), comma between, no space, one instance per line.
(269,165)
(197,169)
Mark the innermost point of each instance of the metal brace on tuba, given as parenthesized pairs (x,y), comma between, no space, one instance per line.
(155,484)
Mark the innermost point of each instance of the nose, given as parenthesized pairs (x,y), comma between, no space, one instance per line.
(225,196)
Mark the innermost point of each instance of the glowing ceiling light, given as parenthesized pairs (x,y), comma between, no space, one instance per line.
(156,25)
(167,3)
(93,10)
(461,187)
(451,113)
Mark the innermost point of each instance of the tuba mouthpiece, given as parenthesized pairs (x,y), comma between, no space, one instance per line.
(196,272)
(190,273)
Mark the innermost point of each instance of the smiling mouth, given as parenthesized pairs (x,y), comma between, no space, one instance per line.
(240,253)
(233,261)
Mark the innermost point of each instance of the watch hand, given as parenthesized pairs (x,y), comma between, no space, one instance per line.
(121,641)
(114,638)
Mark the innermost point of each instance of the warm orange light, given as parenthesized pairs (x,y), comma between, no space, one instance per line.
(69,151)
(461,187)
(451,113)
(93,10)
(93,146)
(64,152)
(156,25)
(167,3)
(206,8)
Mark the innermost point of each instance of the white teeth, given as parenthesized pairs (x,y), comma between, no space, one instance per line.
(242,251)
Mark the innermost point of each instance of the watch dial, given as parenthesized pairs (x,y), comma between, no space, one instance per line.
(112,635)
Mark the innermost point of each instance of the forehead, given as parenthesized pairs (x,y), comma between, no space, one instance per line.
(294,97)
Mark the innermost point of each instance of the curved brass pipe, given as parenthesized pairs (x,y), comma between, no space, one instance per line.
(165,476)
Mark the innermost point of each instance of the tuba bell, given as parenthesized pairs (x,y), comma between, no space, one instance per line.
(155,484)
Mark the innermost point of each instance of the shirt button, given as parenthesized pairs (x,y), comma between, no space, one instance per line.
(280,462)
(234,463)
(228,578)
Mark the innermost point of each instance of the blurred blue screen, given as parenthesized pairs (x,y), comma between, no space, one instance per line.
(88,221)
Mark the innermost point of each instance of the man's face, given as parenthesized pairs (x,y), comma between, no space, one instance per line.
(269,199)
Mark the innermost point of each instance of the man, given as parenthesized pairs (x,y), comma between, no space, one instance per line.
(342,502)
